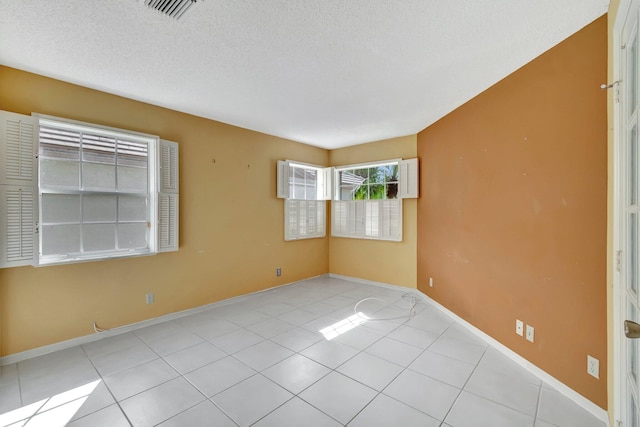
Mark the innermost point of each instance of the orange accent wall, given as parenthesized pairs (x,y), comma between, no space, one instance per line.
(512,219)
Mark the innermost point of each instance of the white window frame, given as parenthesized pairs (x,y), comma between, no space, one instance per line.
(304,217)
(150,194)
(373,219)
(22,192)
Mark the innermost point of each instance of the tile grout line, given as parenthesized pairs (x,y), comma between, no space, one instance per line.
(160,357)
(19,384)
(332,370)
(465,383)
(117,402)
(378,393)
(274,409)
(535,417)
(267,317)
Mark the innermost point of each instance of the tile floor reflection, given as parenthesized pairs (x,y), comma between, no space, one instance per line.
(263,361)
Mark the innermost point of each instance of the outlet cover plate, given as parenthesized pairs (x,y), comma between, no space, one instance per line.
(278,272)
(150,298)
(593,367)
(530,332)
(519,327)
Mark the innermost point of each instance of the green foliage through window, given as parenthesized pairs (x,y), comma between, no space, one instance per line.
(378,182)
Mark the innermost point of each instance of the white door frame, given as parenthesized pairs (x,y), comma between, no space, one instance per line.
(617,263)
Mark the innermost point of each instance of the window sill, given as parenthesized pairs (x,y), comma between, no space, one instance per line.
(101,257)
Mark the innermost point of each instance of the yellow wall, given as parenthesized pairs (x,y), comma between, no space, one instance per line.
(231,224)
(230,219)
(387,262)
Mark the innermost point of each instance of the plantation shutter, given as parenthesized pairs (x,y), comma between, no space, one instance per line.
(282,191)
(367,219)
(18,190)
(304,219)
(19,225)
(409,183)
(168,167)
(305,188)
(168,198)
(389,219)
(339,218)
(325,184)
(19,146)
(324,188)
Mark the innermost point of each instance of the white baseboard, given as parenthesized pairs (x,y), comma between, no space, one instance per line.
(371,282)
(576,397)
(582,401)
(63,345)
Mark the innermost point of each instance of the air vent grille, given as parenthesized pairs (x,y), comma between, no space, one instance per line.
(172,8)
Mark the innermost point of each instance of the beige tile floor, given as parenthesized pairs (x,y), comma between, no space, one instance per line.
(263,361)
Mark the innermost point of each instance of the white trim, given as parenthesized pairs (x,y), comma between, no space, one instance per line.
(618,356)
(297,164)
(71,124)
(567,391)
(371,282)
(583,402)
(63,345)
(576,397)
(387,162)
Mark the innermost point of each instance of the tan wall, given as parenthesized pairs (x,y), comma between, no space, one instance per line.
(231,224)
(387,262)
(512,222)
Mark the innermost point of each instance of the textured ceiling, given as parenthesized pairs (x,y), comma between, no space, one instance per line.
(330,73)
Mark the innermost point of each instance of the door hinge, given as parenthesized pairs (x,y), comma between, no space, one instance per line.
(618,261)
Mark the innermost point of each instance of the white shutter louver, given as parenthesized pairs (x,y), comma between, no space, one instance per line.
(325,184)
(305,188)
(18,143)
(367,219)
(18,189)
(339,218)
(168,222)
(168,167)
(168,198)
(20,226)
(409,182)
(282,180)
(304,219)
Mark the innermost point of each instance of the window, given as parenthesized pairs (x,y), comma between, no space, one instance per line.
(97,190)
(305,189)
(101,192)
(368,199)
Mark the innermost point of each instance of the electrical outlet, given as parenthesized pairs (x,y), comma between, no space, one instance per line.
(431,282)
(530,333)
(150,298)
(278,272)
(593,367)
(519,327)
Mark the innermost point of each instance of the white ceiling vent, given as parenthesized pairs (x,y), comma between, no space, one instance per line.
(173,8)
